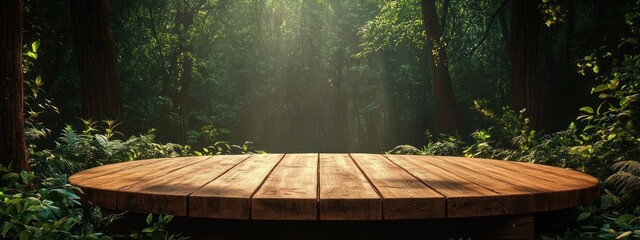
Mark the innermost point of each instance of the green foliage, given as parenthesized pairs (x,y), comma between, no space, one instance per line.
(398,22)
(224,148)
(156,230)
(626,180)
(509,136)
(443,145)
(45,209)
(598,221)
(95,145)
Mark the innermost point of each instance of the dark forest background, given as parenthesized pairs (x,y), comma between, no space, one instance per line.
(310,75)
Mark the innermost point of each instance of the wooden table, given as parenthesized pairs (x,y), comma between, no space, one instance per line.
(334,187)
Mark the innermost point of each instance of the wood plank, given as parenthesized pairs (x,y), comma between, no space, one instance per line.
(404,196)
(229,195)
(108,185)
(168,193)
(345,193)
(517,197)
(290,192)
(560,196)
(464,198)
(570,175)
(130,176)
(583,183)
(80,178)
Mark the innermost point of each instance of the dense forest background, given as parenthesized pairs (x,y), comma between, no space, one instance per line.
(315,75)
(86,83)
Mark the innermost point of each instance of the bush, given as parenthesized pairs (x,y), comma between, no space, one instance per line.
(48,209)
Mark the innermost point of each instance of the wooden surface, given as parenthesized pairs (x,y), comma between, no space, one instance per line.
(334,187)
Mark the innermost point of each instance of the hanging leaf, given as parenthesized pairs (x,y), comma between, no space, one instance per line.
(35,45)
(587,109)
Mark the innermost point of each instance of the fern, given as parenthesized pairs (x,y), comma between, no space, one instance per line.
(626,179)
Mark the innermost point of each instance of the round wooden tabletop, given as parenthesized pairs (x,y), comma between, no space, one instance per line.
(334,187)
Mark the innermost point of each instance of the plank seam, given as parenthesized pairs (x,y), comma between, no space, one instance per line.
(223,173)
(120,190)
(318,188)
(170,171)
(495,179)
(372,185)
(260,186)
(502,195)
(446,199)
(463,177)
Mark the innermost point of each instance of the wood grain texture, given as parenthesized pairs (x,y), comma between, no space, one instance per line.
(80,178)
(291,191)
(169,192)
(559,195)
(345,193)
(334,187)
(518,197)
(464,198)
(584,184)
(404,196)
(229,195)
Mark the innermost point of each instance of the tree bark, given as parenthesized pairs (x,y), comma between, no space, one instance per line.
(100,92)
(525,62)
(13,149)
(447,116)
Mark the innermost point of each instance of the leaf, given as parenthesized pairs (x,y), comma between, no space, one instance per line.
(624,219)
(631,40)
(25,177)
(587,109)
(5,228)
(584,216)
(149,229)
(624,235)
(35,45)
(149,219)
(101,139)
(600,88)
(36,208)
(32,55)
(10,176)
(587,127)
(39,80)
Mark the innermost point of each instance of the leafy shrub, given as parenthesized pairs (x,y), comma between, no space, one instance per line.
(157,230)
(95,146)
(603,221)
(443,145)
(45,210)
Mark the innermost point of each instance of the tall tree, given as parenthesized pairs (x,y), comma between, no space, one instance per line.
(447,115)
(96,59)
(525,62)
(13,148)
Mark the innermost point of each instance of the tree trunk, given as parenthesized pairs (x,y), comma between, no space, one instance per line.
(13,149)
(447,116)
(525,62)
(96,59)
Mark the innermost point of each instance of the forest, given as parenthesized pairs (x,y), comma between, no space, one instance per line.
(87,83)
